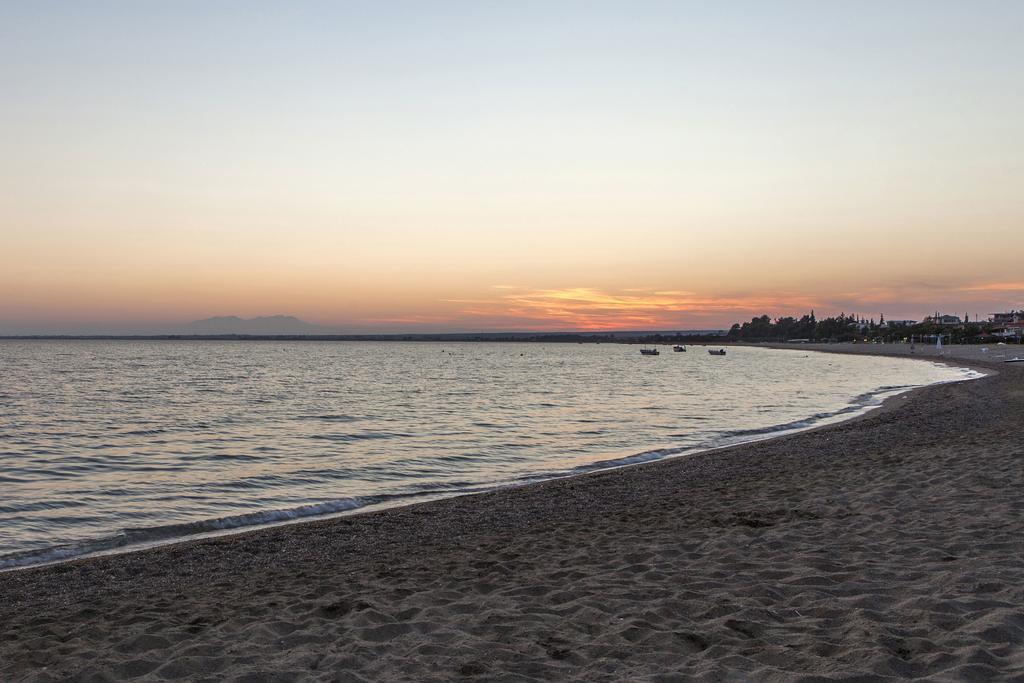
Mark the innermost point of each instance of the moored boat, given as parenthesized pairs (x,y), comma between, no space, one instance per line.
(716,352)
(649,352)
(677,348)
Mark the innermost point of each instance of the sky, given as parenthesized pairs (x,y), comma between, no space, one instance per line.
(455,166)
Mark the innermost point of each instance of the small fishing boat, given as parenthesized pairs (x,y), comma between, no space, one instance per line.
(1015,359)
(649,352)
(716,352)
(677,348)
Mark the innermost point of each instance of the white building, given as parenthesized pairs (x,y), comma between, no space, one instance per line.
(940,319)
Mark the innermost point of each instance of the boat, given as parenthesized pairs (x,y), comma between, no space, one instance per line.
(678,348)
(716,352)
(1015,359)
(649,352)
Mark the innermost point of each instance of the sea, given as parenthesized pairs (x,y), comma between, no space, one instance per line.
(114,445)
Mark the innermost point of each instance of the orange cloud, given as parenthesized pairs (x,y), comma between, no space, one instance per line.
(587,308)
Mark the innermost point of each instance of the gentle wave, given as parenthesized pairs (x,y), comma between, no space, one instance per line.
(431,427)
(151,535)
(146,536)
(859,405)
(140,537)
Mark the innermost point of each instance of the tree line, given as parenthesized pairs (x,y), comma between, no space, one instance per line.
(846,328)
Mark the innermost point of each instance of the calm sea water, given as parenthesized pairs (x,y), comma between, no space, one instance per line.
(106,444)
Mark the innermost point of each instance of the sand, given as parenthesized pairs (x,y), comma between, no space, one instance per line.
(885,548)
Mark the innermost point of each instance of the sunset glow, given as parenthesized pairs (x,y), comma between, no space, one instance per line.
(459,167)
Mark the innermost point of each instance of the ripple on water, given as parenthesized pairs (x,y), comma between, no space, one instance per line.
(175,438)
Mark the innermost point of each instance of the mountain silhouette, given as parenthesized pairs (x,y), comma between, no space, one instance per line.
(271,324)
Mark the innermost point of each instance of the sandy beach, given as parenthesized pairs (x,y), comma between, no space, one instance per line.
(888,547)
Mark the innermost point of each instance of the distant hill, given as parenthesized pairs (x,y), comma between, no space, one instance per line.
(264,325)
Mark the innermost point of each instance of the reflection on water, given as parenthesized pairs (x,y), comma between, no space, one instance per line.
(169,438)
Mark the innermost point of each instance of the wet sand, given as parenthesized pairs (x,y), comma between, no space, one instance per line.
(883,548)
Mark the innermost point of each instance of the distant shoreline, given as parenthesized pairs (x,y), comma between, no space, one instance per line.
(666,337)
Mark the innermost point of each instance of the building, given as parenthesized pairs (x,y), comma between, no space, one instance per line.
(900,323)
(1014,330)
(1008,317)
(946,320)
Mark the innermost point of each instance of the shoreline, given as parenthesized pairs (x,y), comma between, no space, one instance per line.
(114,545)
(816,553)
